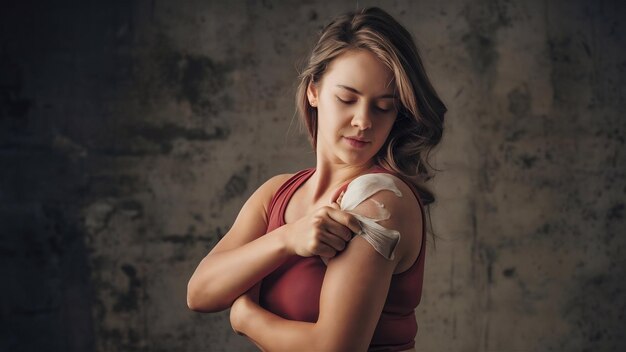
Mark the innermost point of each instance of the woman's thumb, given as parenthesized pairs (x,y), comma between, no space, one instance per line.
(337,203)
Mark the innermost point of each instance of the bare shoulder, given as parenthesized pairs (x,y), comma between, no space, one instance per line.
(407,207)
(277,180)
(409,200)
(268,189)
(408,221)
(405,216)
(252,220)
(271,186)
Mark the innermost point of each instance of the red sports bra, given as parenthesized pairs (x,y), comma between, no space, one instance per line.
(292,291)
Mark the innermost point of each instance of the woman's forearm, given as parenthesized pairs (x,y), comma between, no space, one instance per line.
(223,276)
(273,333)
(270,332)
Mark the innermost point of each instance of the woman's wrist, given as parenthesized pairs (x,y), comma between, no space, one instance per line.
(282,234)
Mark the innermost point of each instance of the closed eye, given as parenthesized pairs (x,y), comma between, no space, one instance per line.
(350,102)
(345,102)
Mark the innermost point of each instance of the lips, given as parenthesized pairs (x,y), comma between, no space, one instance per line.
(356,143)
(359,139)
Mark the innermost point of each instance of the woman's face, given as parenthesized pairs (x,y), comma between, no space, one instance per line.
(354,99)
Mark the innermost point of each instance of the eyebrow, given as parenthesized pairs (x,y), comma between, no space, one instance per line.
(384,96)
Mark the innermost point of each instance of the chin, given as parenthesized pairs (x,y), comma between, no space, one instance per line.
(352,160)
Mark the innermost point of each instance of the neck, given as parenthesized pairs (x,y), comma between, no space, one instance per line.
(328,177)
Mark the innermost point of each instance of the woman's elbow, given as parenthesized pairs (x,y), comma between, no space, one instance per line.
(204,301)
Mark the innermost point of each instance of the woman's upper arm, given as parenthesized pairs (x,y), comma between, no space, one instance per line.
(357,280)
(252,220)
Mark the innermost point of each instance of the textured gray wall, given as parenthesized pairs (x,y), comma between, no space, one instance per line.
(132,132)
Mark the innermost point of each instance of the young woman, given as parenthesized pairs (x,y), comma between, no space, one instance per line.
(301,268)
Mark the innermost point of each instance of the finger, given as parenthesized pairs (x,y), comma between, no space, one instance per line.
(334,241)
(336,195)
(337,229)
(346,219)
(324,250)
(354,224)
(340,197)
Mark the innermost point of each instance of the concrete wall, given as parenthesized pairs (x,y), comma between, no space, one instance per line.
(131,133)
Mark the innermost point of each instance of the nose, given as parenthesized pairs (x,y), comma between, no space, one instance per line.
(362,119)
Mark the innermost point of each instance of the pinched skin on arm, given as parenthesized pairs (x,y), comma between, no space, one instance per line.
(353,293)
(242,257)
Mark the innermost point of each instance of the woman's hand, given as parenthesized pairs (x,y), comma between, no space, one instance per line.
(322,232)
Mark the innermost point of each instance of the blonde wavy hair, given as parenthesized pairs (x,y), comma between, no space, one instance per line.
(418,127)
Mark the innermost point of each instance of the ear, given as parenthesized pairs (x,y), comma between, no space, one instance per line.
(311,92)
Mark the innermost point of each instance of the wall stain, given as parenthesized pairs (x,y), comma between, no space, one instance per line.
(519,101)
(129,300)
(131,208)
(596,323)
(509,272)
(484,18)
(193,78)
(116,185)
(187,239)
(165,134)
(237,184)
(488,255)
(12,103)
(515,135)
(527,161)
(616,212)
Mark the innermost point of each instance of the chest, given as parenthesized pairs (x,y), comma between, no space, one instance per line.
(299,205)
